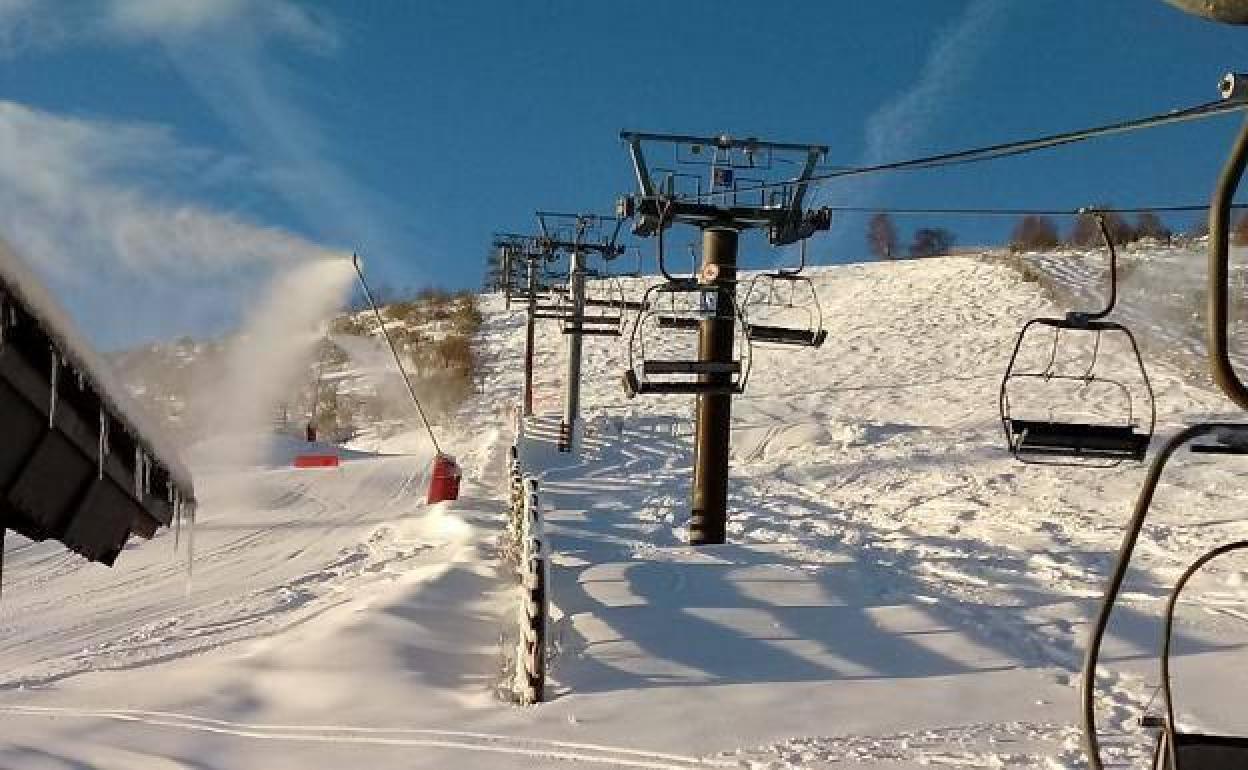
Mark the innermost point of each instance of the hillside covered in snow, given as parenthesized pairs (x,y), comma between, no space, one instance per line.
(896,591)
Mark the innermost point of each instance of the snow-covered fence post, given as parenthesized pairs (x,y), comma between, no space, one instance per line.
(515,509)
(534,609)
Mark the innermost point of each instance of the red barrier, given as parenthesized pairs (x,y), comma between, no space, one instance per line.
(444,481)
(316,461)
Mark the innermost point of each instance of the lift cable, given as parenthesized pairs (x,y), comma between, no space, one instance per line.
(1007,149)
(359,271)
(1014,212)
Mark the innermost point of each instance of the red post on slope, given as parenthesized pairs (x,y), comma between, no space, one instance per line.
(444,481)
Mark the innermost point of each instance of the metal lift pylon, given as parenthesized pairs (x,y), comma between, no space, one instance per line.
(732,201)
(575,240)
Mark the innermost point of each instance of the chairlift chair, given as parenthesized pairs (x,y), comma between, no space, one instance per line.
(1175,748)
(603,314)
(682,304)
(784,295)
(1094,436)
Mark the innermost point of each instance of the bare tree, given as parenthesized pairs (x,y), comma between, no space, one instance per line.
(882,236)
(1034,233)
(1239,230)
(1086,234)
(1149,225)
(931,242)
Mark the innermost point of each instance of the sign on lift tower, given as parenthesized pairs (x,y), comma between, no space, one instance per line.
(723,186)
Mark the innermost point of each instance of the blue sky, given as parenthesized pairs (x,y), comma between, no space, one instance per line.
(413,130)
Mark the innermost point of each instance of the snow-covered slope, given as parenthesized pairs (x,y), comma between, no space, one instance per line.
(897,591)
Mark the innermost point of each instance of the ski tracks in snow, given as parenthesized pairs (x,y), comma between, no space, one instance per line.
(343,735)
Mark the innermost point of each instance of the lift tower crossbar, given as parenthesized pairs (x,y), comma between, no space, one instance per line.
(721,185)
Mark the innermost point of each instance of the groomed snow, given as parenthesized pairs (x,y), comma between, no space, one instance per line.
(897,590)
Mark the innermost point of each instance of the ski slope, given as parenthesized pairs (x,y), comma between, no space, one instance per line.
(896,592)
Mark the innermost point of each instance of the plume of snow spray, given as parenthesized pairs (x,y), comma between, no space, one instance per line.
(268,359)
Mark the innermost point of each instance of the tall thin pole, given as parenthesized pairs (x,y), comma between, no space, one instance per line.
(530,323)
(359,271)
(572,384)
(708,524)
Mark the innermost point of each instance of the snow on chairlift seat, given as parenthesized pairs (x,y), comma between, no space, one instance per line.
(80,462)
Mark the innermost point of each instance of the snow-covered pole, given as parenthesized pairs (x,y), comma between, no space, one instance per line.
(359,271)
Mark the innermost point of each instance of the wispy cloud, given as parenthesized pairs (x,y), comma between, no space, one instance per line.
(894,130)
(226,52)
(77,200)
(182,21)
(230,54)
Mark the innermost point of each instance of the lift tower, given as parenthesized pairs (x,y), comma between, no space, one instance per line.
(723,186)
(579,235)
(527,250)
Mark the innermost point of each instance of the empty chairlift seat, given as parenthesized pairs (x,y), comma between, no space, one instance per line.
(1090,416)
(80,463)
(782,308)
(1060,408)
(670,310)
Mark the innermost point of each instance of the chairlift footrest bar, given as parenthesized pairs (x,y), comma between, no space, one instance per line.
(634,387)
(1194,751)
(677,322)
(781,335)
(1077,440)
(1219,449)
(691,367)
(596,320)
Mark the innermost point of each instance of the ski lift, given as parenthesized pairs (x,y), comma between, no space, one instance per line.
(603,314)
(685,303)
(1103,425)
(1175,749)
(785,296)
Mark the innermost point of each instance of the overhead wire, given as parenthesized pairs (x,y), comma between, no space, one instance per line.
(1002,150)
(1014,212)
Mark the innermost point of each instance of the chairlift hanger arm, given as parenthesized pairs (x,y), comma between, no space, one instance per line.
(1223,371)
(1091,740)
(1084,319)
(799,194)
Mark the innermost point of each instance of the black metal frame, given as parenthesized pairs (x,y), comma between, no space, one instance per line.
(1185,751)
(648,376)
(812,335)
(781,214)
(1064,442)
(1228,439)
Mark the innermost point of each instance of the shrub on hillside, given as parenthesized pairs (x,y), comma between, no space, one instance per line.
(931,242)
(1034,233)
